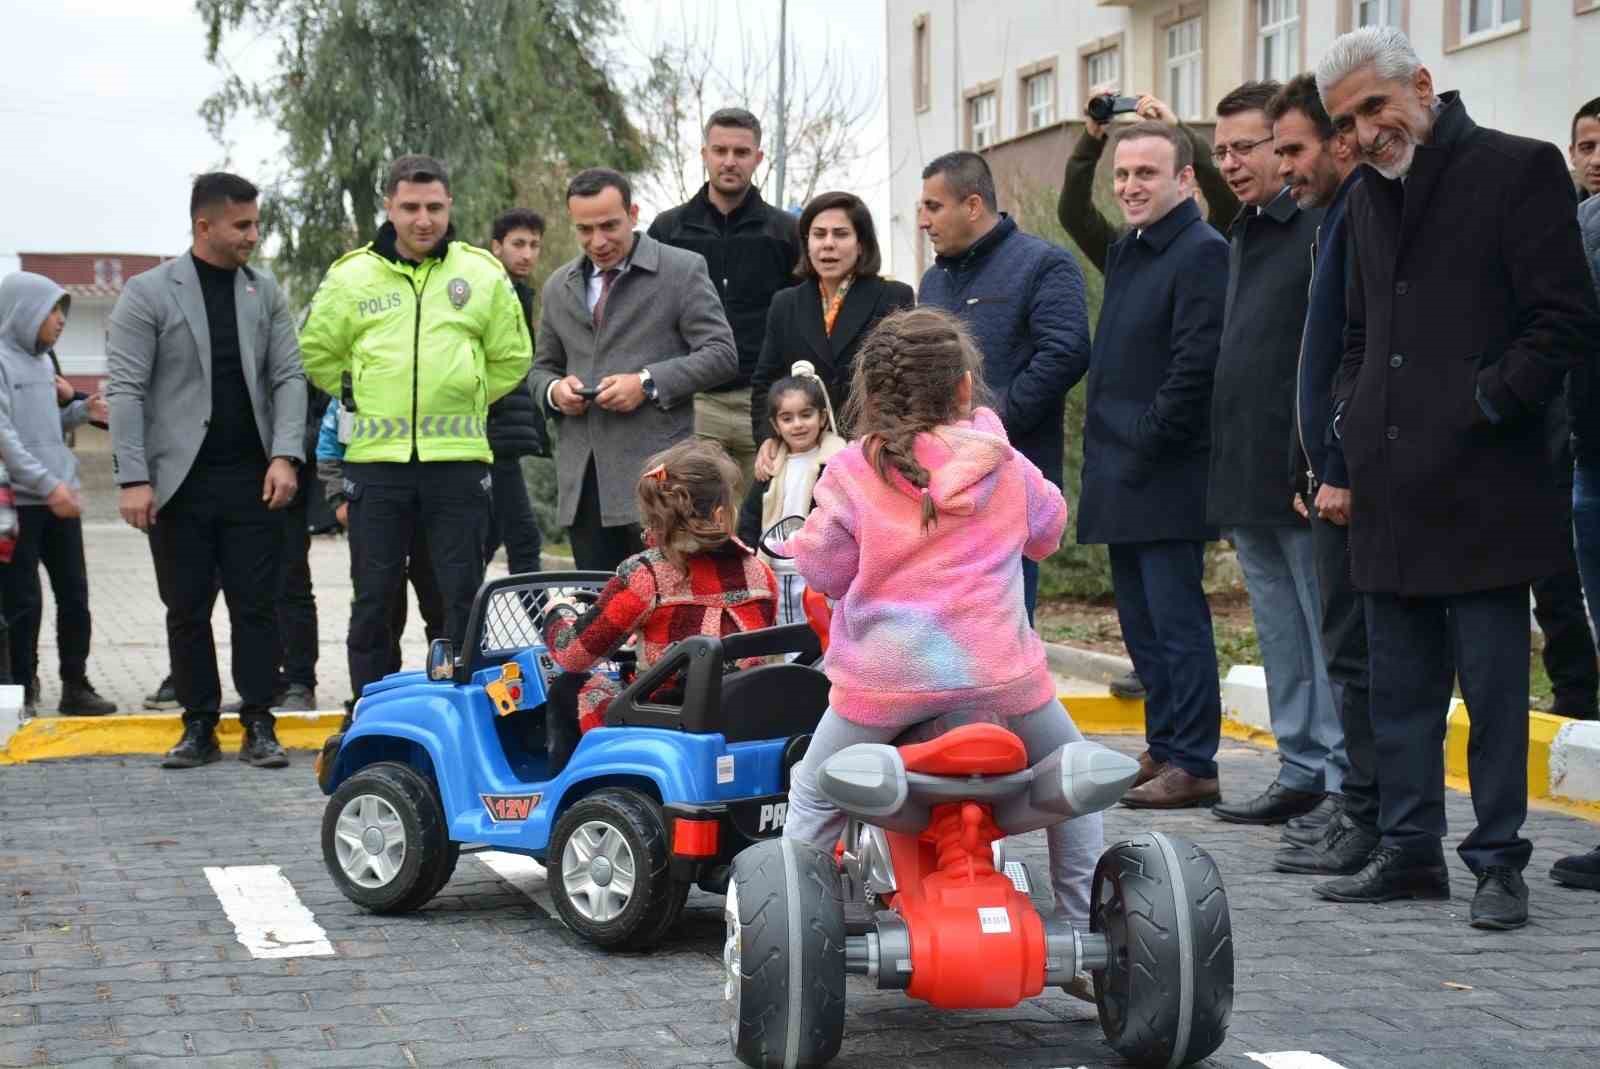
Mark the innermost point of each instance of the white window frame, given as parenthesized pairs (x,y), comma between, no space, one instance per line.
(1498,23)
(1041,113)
(1188,65)
(988,132)
(1388,13)
(1113,56)
(1285,30)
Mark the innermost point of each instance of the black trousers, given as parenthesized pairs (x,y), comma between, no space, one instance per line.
(1569,654)
(596,547)
(1166,625)
(1344,644)
(430,604)
(217,526)
(1418,647)
(297,604)
(511,520)
(43,538)
(449,500)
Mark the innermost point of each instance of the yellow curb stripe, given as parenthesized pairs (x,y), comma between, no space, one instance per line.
(103,736)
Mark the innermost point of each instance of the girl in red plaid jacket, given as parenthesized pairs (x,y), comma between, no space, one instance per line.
(694,578)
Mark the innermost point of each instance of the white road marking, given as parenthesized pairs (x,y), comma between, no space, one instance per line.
(267,915)
(523,873)
(1293,1059)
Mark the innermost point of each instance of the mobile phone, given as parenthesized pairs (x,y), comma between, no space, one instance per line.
(588,393)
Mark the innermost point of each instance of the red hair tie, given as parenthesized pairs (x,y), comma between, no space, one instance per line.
(658,473)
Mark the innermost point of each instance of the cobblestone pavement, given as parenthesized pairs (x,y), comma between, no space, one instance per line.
(115,951)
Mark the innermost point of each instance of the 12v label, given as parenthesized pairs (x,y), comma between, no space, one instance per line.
(503,807)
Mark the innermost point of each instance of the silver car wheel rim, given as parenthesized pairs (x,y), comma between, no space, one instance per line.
(733,978)
(597,872)
(370,840)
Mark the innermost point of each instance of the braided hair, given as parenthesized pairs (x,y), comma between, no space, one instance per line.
(679,494)
(904,384)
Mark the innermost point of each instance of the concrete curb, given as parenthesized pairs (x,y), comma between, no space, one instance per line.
(150,733)
(1086,664)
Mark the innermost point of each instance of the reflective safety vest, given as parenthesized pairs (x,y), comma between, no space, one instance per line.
(427,347)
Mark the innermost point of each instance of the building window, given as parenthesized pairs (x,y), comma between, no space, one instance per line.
(1377,12)
(921,60)
(1184,69)
(1104,67)
(983,120)
(1490,16)
(1277,39)
(1039,96)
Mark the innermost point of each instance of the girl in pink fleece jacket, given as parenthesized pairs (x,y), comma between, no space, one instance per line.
(918,534)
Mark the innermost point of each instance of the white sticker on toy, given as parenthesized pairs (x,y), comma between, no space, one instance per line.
(725,768)
(994,920)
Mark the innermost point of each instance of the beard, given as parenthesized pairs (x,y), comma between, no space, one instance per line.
(1402,162)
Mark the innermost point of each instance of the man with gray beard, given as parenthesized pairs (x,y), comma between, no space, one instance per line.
(1468,304)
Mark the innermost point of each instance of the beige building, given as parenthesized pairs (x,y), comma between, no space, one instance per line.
(1009,78)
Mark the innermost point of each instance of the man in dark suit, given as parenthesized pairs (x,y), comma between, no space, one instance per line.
(1469,304)
(208,408)
(1146,451)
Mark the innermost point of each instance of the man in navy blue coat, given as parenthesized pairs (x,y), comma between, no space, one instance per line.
(1146,455)
(1023,300)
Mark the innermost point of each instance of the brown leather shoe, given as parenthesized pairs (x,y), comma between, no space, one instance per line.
(1173,788)
(1149,769)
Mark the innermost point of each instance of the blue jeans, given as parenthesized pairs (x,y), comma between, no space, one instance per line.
(1280,572)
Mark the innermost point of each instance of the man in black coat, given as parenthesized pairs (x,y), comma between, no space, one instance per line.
(516,424)
(1146,449)
(1250,494)
(1468,306)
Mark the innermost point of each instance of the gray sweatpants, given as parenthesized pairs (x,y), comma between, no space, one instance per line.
(1075,845)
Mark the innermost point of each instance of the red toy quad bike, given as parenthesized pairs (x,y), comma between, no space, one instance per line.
(914,901)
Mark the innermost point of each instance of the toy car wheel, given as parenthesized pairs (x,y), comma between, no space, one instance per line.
(1166,992)
(384,839)
(612,881)
(783,959)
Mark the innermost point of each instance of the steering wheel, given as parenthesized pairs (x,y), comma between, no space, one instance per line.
(775,539)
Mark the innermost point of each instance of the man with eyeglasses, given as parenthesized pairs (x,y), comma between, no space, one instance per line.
(1252,427)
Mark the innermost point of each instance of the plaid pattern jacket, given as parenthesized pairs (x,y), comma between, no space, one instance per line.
(724,591)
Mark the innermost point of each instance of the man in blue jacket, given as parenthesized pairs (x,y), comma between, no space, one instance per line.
(1023,300)
(1146,454)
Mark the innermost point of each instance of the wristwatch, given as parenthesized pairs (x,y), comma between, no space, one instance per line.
(647,384)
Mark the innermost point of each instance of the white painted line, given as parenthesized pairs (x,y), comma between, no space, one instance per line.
(523,873)
(267,915)
(1293,1059)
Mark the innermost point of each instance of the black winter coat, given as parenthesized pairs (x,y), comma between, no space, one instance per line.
(794,332)
(1147,435)
(1471,303)
(516,424)
(751,255)
(1253,396)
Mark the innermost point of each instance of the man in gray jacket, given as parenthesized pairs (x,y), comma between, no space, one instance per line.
(639,323)
(44,479)
(208,408)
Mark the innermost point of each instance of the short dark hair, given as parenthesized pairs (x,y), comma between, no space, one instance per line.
(416,168)
(593,181)
(1251,96)
(216,187)
(965,173)
(1590,110)
(1300,94)
(517,219)
(870,261)
(1182,147)
(738,118)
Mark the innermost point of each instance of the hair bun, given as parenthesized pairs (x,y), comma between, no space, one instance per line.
(803,369)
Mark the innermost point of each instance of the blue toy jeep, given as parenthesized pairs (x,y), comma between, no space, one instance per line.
(691,767)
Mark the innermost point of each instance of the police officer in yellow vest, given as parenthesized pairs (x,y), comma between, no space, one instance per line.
(417,333)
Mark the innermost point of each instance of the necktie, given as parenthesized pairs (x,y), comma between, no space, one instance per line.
(608,278)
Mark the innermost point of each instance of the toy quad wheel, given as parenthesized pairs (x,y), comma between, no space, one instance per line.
(1166,992)
(384,839)
(784,956)
(610,870)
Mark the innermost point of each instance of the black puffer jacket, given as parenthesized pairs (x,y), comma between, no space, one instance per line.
(750,254)
(516,424)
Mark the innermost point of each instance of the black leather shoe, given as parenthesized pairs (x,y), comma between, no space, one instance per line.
(1274,805)
(1501,903)
(1320,816)
(79,698)
(197,747)
(260,747)
(1579,870)
(1128,687)
(1342,851)
(1392,873)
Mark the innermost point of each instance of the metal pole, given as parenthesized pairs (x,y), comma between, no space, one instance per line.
(783,103)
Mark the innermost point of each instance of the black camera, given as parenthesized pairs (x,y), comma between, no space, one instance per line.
(1102,108)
